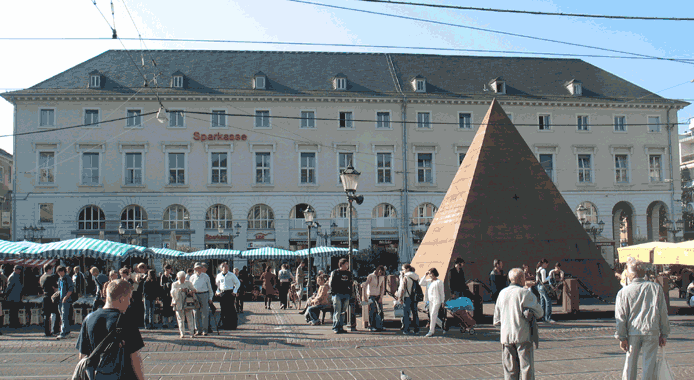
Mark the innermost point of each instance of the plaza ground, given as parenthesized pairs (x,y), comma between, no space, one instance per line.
(277,344)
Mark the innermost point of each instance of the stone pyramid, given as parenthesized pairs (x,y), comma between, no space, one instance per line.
(502,205)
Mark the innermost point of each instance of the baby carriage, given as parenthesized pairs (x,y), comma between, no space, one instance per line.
(459,311)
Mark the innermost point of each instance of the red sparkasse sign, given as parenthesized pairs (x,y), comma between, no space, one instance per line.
(197,136)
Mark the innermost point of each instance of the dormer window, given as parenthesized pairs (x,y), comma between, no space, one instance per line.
(340,82)
(498,85)
(419,83)
(94,79)
(259,81)
(575,87)
(177,80)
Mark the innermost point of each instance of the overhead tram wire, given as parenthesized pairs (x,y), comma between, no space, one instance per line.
(193,40)
(488,31)
(535,13)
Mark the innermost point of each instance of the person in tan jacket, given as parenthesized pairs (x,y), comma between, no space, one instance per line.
(320,301)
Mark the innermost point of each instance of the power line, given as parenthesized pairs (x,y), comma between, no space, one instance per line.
(490,31)
(75,126)
(537,13)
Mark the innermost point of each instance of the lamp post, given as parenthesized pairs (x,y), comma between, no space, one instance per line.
(32,232)
(350,181)
(309,214)
(231,236)
(590,228)
(674,227)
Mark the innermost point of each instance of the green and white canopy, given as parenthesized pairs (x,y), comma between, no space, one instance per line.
(324,251)
(267,253)
(163,253)
(211,254)
(87,247)
(15,249)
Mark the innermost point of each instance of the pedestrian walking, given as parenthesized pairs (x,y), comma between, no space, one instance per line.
(15,288)
(246,285)
(436,295)
(642,322)
(406,296)
(285,277)
(514,311)
(151,291)
(203,291)
(341,292)
(375,289)
(181,291)
(542,280)
(165,281)
(49,285)
(269,281)
(66,288)
(238,299)
(227,289)
(101,322)
(497,279)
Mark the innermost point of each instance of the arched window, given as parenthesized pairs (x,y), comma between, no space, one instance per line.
(218,216)
(132,216)
(341,212)
(424,214)
(176,217)
(384,210)
(91,218)
(591,212)
(261,217)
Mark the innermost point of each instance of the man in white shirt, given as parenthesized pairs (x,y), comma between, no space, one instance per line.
(203,290)
(227,288)
(517,346)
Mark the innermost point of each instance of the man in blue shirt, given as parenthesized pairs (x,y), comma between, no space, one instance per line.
(66,287)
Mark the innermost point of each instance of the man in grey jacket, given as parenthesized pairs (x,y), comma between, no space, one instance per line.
(517,347)
(14,296)
(642,322)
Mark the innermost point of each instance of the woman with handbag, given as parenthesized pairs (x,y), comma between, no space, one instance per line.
(183,301)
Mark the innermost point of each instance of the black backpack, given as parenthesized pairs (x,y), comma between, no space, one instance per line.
(416,293)
(106,360)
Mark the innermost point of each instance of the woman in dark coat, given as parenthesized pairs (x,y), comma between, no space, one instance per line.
(269,281)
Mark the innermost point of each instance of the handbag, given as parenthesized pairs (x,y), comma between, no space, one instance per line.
(191,302)
(662,368)
(399,310)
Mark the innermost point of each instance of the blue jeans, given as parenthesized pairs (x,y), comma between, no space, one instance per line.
(149,313)
(375,308)
(313,312)
(410,307)
(545,302)
(340,303)
(64,308)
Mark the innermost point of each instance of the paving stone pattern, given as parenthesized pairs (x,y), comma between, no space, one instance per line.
(278,345)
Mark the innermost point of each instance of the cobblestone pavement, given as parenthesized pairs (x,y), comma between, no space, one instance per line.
(278,345)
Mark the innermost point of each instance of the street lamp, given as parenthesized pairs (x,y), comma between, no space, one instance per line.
(350,181)
(33,233)
(674,227)
(231,236)
(126,233)
(590,228)
(309,214)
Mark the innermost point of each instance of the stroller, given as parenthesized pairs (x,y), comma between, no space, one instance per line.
(459,311)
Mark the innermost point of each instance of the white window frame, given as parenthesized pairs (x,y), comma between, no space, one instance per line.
(210,172)
(52,213)
(424,126)
(53,109)
(340,84)
(214,223)
(340,168)
(94,224)
(660,177)
(552,176)
(95,81)
(586,120)
(579,170)
(264,223)
(128,120)
(182,116)
(186,173)
(626,171)
(389,123)
(311,120)
(391,169)
(142,167)
(271,169)
(213,116)
(460,160)
(39,168)
(84,116)
(432,169)
(420,85)
(177,81)
(614,124)
(98,168)
(258,86)
(349,123)
(469,127)
(547,122)
(499,86)
(255,118)
(315,168)
(184,223)
(648,124)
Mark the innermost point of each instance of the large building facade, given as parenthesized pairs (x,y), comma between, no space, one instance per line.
(252,138)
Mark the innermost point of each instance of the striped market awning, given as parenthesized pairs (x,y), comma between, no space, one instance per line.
(212,254)
(15,249)
(31,263)
(88,247)
(324,251)
(267,253)
(163,253)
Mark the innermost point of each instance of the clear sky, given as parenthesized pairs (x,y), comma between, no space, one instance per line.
(26,63)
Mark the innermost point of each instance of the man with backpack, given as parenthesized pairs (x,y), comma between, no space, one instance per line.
(409,293)
(112,352)
(341,290)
